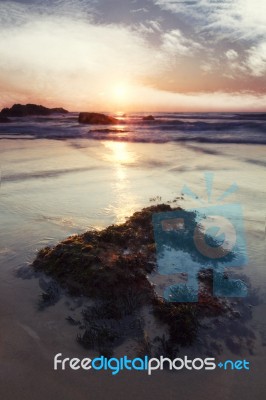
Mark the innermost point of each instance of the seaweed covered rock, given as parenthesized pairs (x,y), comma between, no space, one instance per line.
(112,267)
(104,263)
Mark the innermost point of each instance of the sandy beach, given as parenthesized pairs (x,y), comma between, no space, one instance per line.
(51,189)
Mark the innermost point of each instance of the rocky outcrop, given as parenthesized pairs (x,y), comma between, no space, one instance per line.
(96,119)
(94,264)
(4,120)
(149,118)
(19,110)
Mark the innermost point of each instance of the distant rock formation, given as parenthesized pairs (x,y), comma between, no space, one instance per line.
(149,118)
(19,110)
(96,119)
(4,120)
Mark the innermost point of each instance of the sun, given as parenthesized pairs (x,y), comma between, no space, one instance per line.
(120,91)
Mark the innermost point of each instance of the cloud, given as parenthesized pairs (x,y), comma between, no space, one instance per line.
(234,19)
(172,5)
(140,10)
(174,42)
(148,27)
(235,66)
(15,12)
(231,55)
(216,25)
(60,44)
(156,25)
(256,60)
(55,56)
(206,67)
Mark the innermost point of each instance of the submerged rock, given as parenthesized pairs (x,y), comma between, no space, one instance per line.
(96,119)
(149,118)
(19,110)
(50,295)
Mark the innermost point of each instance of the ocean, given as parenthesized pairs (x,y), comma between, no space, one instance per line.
(167,127)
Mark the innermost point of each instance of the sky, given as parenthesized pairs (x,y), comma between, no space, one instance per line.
(134,55)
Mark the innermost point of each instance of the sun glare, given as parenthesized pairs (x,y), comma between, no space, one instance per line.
(120,91)
(119,153)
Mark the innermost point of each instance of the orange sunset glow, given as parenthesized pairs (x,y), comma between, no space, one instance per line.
(159,55)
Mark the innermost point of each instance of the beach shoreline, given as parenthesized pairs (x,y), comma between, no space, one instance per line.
(101,183)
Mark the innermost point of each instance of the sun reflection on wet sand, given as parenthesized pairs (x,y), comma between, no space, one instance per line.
(119,153)
(120,158)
